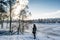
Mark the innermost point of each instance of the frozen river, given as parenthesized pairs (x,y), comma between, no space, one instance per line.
(46,31)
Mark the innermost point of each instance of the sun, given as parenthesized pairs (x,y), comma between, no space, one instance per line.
(18,7)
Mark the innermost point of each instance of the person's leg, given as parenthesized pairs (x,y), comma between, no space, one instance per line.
(34,36)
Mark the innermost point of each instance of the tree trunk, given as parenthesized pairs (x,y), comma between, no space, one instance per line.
(22,24)
(2,23)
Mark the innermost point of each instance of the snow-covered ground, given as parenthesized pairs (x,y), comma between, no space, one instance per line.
(44,32)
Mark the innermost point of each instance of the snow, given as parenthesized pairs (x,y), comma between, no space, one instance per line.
(44,32)
(23,37)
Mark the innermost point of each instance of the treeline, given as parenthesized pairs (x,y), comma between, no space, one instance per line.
(51,20)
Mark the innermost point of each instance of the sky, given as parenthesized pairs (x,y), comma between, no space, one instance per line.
(44,8)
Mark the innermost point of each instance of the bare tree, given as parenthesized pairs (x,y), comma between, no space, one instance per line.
(24,15)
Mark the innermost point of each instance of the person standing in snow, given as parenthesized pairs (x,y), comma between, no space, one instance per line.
(34,31)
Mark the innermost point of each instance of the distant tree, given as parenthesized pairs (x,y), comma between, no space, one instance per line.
(2,17)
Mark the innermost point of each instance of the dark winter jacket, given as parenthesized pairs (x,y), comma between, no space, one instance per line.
(34,29)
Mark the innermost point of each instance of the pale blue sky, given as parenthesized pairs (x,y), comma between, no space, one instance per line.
(44,8)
